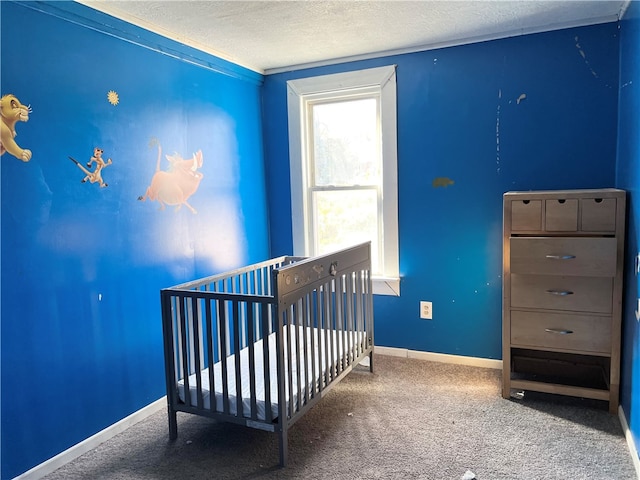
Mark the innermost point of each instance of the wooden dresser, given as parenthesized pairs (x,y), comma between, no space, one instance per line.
(562,292)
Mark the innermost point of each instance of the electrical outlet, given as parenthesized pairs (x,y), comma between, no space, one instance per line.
(426,311)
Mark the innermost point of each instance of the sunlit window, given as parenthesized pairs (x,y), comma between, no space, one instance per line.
(342,131)
(345,181)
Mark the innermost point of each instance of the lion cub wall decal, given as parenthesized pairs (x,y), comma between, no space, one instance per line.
(13,111)
(175,185)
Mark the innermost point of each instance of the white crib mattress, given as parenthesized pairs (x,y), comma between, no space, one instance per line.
(259,373)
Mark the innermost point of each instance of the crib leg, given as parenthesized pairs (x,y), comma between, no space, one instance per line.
(173,424)
(284,447)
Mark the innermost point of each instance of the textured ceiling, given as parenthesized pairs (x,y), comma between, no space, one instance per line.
(270,36)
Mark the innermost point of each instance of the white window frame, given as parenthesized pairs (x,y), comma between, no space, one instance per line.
(382,79)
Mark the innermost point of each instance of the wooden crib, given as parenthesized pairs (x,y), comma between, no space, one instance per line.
(260,345)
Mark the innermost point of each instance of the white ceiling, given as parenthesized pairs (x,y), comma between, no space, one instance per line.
(272,36)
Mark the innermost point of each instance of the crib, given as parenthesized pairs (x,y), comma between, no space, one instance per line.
(260,345)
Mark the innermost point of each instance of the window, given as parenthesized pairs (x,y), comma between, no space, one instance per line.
(343,159)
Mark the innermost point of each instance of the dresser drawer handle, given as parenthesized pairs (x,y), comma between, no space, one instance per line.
(562,293)
(561,257)
(558,331)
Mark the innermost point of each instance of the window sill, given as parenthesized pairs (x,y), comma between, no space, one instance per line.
(386,286)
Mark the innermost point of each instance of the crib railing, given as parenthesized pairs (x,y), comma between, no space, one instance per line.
(328,298)
(205,323)
(261,344)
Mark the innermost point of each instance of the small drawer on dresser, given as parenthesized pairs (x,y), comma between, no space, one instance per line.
(526,215)
(574,333)
(598,214)
(587,256)
(561,215)
(555,292)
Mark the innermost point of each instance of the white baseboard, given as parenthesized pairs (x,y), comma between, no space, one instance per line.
(92,442)
(439,357)
(632,445)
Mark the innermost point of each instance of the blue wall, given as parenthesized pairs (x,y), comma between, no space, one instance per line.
(82,265)
(459,117)
(628,178)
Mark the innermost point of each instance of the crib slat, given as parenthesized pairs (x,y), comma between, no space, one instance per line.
(185,351)
(222,329)
(348,313)
(252,360)
(350,301)
(359,312)
(296,337)
(342,330)
(288,360)
(177,359)
(169,362)
(236,355)
(244,284)
(313,355)
(339,327)
(195,324)
(327,341)
(266,327)
(355,313)
(210,355)
(305,330)
(357,348)
(270,288)
(329,331)
(370,338)
(321,344)
(281,372)
(332,328)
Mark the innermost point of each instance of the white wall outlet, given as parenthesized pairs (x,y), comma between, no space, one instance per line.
(426,311)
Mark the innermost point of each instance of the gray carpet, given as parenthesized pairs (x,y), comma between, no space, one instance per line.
(411,419)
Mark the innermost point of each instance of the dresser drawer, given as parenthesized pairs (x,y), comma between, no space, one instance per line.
(594,257)
(558,292)
(526,215)
(598,214)
(561,215)
(561,332)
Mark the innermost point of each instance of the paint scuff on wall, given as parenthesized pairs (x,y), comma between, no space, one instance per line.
(586,60)
(584,56)
(498,133)
(442,182)
(520,98)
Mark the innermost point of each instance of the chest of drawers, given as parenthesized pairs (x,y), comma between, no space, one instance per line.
(562,292)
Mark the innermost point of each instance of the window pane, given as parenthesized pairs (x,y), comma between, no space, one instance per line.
(346,146)
(346,218)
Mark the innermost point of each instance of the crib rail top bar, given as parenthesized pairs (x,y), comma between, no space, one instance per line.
(218,296)
(190,285)
(321,269)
